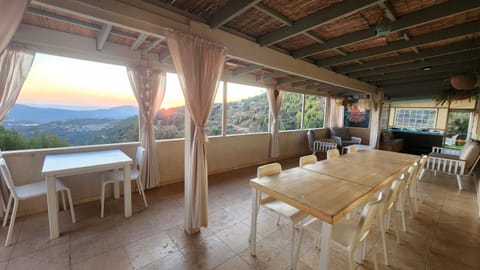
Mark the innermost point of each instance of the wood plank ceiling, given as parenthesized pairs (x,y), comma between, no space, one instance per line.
(428,41)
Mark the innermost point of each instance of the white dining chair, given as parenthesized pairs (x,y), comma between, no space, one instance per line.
(404,197)
(305,160)
(352,149)
(333,153)
(278,207)
(415,186)
(27,191)
(388,210)
(116,177)
(348,235)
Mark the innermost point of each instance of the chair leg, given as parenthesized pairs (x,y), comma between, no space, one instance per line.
(292,246)
(410,206)
(459,182)
(9,205)
(297,251)
(63,200)
(402,212)
(384,240)
(70,202)
(278,220)
(102,200)
(142,192)
(374,252)
(12,222)
(395,223)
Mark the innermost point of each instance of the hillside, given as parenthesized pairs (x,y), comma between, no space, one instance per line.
(30,114)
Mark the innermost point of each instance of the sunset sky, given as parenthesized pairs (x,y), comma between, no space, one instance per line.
(78,84)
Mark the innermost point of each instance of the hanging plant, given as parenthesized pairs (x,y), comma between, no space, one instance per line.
(451,94)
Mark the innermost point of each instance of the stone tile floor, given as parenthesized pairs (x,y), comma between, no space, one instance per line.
(444,234)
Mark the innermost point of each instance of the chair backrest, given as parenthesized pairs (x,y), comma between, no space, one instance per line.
(7,177)
(452,140)
(140,158)
(368,218)
(310,159)
(392,196)
(411,173)
(471,154)
(310,139)
(352,148)
(421,165)
(269,169)
(333,153)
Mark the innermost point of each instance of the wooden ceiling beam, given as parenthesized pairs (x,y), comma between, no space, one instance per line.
(326,15)
(102,36)
(407,21)
(139,41)
(231,10)
(271,75)
(432,62)
(154,44)
(451,32)
(433,78)
(290,80)
(245,70)
(274,14)
(452,69)
(434,52)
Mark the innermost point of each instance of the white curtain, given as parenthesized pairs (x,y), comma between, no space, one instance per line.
(148,85)
(334,113)
(15,63)
(376,106)
(475,130)
(199,64)
(275,103)
(11,13)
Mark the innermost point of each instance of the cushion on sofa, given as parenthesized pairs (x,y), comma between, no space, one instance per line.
(470,153)
(341,132)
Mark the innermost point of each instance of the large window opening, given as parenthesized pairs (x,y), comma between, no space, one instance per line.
(68,102)
(415,118)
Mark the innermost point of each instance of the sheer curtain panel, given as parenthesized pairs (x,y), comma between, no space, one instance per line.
(15,63)
(148,85)
(334,117)
(11,13)
(199,64)
(275,103)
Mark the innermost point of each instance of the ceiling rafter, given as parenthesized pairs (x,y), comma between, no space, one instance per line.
(407,21)
(102,36)
(139,41)
(448,68)
(231,10)
(154,44)
(316,19)
(437,51)
(451,32)
(270,75)
(274,14)
(290,80)
(413,79)
(245,70)
(431,62)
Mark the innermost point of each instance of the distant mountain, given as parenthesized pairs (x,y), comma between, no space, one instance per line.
(30,114)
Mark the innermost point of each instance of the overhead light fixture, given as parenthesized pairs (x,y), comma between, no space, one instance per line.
(427,68)
(384,26)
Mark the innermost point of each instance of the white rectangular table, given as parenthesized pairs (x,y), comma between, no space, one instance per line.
(81,163)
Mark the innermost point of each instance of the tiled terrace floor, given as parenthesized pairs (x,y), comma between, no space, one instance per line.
(444,234)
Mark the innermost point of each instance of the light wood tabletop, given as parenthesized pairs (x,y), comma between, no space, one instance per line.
(373,168)
(329,189)
(312,192)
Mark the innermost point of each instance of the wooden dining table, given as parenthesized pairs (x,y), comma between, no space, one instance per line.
(330,189)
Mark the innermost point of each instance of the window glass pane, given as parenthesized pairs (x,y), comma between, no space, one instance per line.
(416,118)
(170,120)
(67,102)
(290,115)
(247,109)
(214,122)
(314,111)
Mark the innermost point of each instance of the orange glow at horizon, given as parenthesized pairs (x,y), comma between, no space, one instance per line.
(68,82)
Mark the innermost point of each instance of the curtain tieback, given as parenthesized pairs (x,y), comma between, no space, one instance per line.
(200,134)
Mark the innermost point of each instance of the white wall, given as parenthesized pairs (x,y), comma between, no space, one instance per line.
(224,154)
